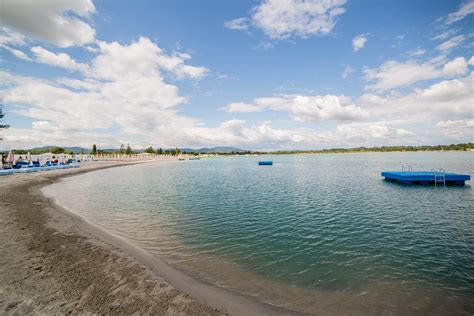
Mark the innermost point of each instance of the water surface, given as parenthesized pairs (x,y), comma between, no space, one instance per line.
(316,233)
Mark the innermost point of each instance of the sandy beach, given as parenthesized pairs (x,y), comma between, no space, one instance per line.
(54,262)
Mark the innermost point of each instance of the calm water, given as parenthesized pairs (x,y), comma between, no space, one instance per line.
(316,233)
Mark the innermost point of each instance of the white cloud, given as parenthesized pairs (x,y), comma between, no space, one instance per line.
(17,53)
(457,93)
(445,34)
(61,60)
(59,22)
(451,43)
(456,67)
(124,87)
(393,74)
(8,37)
(305,108)
(264,46)
(358,42)
(242,107)
(139,58)
(370,132)
(458,129)
(347,71)
(417,52)
(240,24)
(283,19)
(445,100)
(464,10)
(91,49)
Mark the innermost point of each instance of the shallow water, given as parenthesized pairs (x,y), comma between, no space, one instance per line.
(316,233)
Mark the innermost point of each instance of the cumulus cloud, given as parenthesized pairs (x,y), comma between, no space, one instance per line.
(304,108)
(358,42)
(142,57)
(63,23)
(464,10)
(393,74)
(124,87)
(456,67)
(445,100)
(61,60)
(283,19)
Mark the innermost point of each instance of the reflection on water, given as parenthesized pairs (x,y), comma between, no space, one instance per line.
(317,233)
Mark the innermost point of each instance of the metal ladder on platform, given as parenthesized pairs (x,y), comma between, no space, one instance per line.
(439,176)
(407,169)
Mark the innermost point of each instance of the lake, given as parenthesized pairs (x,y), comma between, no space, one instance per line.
(314,233)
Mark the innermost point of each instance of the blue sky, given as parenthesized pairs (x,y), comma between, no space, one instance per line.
(273,74)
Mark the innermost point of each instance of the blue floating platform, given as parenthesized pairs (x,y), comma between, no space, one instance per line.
(426,177)
(265,163)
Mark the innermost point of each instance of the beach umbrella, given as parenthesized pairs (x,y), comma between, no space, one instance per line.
(28,157)
(10,157)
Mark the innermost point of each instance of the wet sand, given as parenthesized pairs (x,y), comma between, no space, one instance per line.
(55,262)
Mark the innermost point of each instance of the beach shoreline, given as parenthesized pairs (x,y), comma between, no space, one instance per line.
(53,261)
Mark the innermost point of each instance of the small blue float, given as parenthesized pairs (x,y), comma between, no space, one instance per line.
(265,163)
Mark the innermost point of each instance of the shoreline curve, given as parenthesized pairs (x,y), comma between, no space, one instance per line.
(203,292)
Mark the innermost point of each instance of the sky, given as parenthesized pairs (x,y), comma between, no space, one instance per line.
(260,75)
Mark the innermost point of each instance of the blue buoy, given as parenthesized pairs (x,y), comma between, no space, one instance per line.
(265,163)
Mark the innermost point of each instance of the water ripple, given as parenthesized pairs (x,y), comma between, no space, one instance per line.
(325,222)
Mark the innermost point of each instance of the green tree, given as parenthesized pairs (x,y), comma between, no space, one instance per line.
(150,150)
(94,150)
(128,151)
(122,149)
(159,151)
(177,151)
(58,150)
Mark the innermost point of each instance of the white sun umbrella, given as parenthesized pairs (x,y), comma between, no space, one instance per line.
(28,157)
(10,157)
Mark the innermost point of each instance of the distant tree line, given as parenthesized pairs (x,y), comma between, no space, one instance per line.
(452,147)
(128,150)
(54,150)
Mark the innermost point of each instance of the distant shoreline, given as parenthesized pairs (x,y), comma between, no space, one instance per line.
(224,151)
(368,152)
